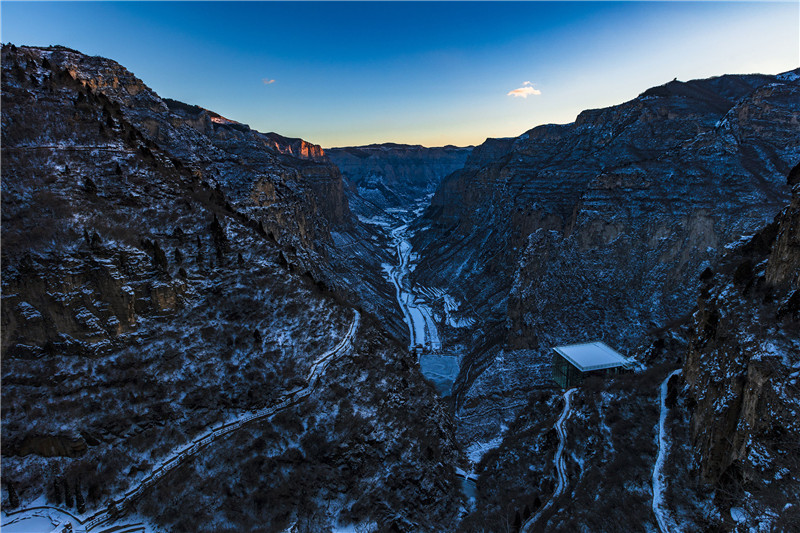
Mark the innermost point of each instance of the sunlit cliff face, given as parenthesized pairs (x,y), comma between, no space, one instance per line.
(222,120)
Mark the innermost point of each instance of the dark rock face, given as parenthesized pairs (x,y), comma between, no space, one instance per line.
(285,187)
(245,154)
(783,266)
(742,369)
(599,228)
(394,175)
(730,417)
(165,270)
(53,446)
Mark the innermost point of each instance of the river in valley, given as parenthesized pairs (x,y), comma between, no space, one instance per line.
(424,309)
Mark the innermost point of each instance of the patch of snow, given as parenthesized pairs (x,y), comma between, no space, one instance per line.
(560,463)
(742,240)
(477,450)
(33,524)
(28,311)
(738,515)
(788,76)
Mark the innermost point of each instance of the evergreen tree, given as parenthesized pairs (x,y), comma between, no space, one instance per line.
(67,494)
(517,521)
(199,251)
(56,493)
(112,509)
(178,256)
(80,505)
(89,186)
(282,261)
(159,257)
(92,493)
(220,239)
(13,499)
(19,72)
(96,241)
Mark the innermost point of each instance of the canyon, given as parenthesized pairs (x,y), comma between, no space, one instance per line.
(358,338)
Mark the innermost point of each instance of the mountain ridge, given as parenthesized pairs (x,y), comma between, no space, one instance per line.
(167,271)
(598,228)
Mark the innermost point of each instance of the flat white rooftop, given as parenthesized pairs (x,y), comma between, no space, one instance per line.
(590,356)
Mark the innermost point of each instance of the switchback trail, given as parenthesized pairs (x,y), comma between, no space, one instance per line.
(560,463)
(665,523)
(181,455)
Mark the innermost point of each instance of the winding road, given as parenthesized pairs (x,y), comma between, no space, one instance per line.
(665,523)
(182,454)
(560,462)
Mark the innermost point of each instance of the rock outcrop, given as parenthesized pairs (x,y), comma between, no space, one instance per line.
(742,369)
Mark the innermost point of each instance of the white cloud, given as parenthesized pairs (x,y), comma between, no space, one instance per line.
(525,91)
(267,81)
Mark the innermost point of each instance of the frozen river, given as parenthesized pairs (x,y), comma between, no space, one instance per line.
(416,305)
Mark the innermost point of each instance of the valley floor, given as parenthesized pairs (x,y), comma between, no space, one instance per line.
(422,307)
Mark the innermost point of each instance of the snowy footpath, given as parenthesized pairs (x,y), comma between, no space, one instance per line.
(665,523)
(560,463)
(45,519)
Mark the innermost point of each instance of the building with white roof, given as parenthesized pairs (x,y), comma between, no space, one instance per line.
(575,362)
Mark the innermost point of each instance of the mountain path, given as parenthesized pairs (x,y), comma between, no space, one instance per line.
(665,523)
(179,456)
(560,462)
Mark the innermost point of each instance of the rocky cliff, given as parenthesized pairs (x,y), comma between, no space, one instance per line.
(741,373)
(160,277)
(395,175)
(286,187)
(728,430)
(599,228)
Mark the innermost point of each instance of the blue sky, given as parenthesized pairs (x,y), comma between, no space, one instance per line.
(414,72)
